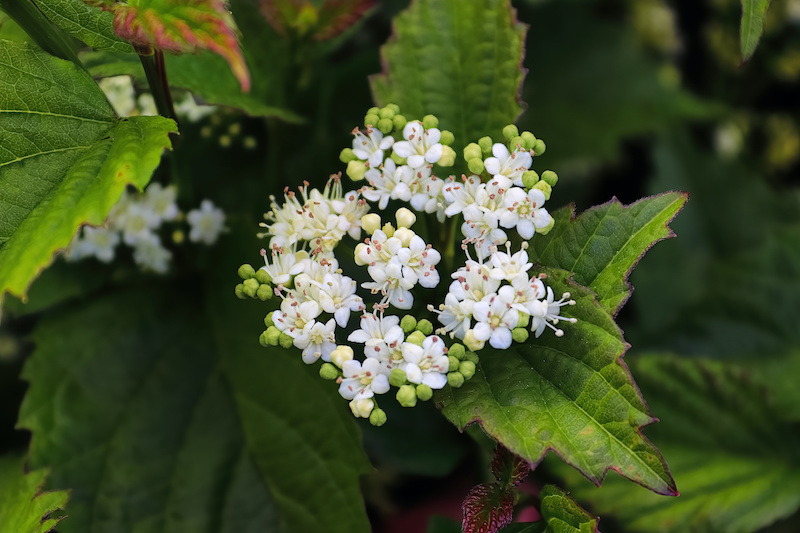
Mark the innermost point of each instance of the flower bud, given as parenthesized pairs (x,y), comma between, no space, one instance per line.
(347,155)
(448,158)
(328,371)
(455,379)
(393,107)
(472,151)
(529,139)
(386,112)
(373,110)
(397,378)
(476,166)
(285,340)
(341,354)
(273,336)
(371,119)
(362,408)
(457,350)
(471,342)
(356,170)
(467,369)
(264,293)
(246,271)
(399,122)
(550,177)
(178,236)
(371,222)
(539,147)
(250,287)
(454,362)
(486,145)
(447,138)
(385,125)
(407,396)
(408,323)
(425,326)
(263,339)
(388,229)
(268,320)
(430,121)
(405,217)
(239,291)
(416,337)
(520,334)
(510,131)
(262,276)
(545,230)
(515,142)
(397,159)
(424,392)
(377,417)
(471,356)
(524,320)
(357,253)
(529,178)
(544,187)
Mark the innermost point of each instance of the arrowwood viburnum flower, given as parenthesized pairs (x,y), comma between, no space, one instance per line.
(362,380)
(508,164)
(206,223)
(426,364)
(421,146)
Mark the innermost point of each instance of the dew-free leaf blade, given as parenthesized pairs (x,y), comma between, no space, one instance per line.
(90,25)
(604,243)
(572,395)
(460,61)
(753,12)
(64,158)
(23,507)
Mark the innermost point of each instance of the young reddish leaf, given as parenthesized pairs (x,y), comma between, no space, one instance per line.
(181,26)
(508,467)
(487,508)
(302,17)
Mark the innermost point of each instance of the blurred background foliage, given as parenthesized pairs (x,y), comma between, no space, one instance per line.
(633,98)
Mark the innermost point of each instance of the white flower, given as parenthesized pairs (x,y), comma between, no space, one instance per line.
(192,112)
(426,364)
(206,223)
(496,318)
(547,315)
(525,211)
(136,221)
(388,182)
(362,408)
(507,266)
(421,146)
(370,147)
(362,380)
(294,314)
(150,255)
(460,193)
(337,296)
(381,336)
(455,315)
(509,164)
(316,340)
(284,265)
(120,93)
(161,201)
(97,242)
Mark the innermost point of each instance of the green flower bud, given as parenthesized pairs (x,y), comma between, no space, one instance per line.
(424,392)
(455,379)
(467,369)
(520,334)
(472,151)
(448,158)
(539,147)
(397,159)
(510,131)
(425,326)
(457,350)
(373,110)
(399,122)
(385,125)
(263,339)
(264,293)
(371,119)
(529,139)
(524,320)
(239,291)
(516,141)
(550,177)
(529,178)
(447,138)
(377,417)
(262,276)
(347,155)
(430,121)
(454,362)
(472,343)
(408,323)
(246,272)
(393,107)
(273,336)
(397,378)
(416,337)
(285,340)
(328,371)
(407,396)
(268,320)
(544,187)
(356,170)
(476,166)
(386,112)
(251,287)
(486,144)
(545,230)
(472,356)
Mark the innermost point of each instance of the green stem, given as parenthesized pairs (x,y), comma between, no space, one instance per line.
(46,34)
(156,72)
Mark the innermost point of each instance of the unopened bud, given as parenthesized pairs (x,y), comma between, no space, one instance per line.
(544,187)
(520,334)
(454,362)
(399,122)
(530,178)
(246,272)
(550,177)
(373,110)
(251,287)
(268,320)
(455,379)
(424,392)
(510,131)
(524,320)
(357,253)
(425,326)
(405,217)
(371,119)
(397,159)
(263,340)
(517,142)
(407,396)
(476,166)
(262,276)
(448,158)
(264,293)
(385,125)
(408,323)
(471,342)
(539,147)
(362,408)
(467,369)
(545,230)
(341,354)
(328,371)
(239,291)
(447,138)
(386,112)
(404,235)
(457,350)
(356,170)
(273,336)
(486,145)
(417,337)
(529,139)
(285,340)
(397,377)
(371,222)
(473,151)
(377,417)
(472,357)
(430,121)
(388,229)
(347,155)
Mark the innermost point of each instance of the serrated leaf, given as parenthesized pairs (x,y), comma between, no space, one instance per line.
(753,12)
(488,508)
(509,468)
(734,454)
(572,395)
(460,61)
(129,405)
(64,158)
(92,26)
(604,243)
(323,19)
(562,514)
(24,508)
(182,26)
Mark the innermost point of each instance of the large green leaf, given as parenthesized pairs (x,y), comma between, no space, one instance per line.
(753,12)
(572,395)
(560,514)
(90,25)
(604,243)
(460,61)
(161,416)
(64,158)
(23,508)
(736,457)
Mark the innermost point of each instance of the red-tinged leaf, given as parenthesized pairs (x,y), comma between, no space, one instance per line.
(487,508)
(181,26)
(306,18)
(508,467)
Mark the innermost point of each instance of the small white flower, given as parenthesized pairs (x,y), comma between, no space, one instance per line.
(362,380)
(370,147)
(454,315)
(337,296)
(548,314)
(506,266)
(426,364)
(188,108)
(389,182)
(206,223)
(136,222)
(509,164)
(316,340)
(161,201)
(94,242)
(381,336)
(150,255)
(421,146)
(496,318)
(284,265)
(294,314)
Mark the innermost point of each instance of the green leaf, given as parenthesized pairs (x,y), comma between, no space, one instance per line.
(23,507)
(460,61)
(560,514)
(734,454)
(64,158)
(325,20)
(487,508)
(161,416)
(604,243)
(572,395)
(90,25)
(753,12)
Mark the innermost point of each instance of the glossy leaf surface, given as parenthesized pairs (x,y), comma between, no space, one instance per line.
(23,507)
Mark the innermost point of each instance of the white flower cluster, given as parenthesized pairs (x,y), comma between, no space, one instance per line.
(122,96)
(136,219)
